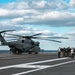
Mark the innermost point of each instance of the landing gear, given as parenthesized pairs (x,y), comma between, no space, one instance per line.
(15,51)
(30,52)
(36,52)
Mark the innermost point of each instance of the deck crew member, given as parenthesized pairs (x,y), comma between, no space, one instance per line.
(59,52)
(72,52)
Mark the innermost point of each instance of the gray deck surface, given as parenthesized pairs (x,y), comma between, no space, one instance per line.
(31,64)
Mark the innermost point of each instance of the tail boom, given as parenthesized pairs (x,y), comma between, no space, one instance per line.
(3,41)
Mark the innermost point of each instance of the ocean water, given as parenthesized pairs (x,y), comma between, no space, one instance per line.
(48,50)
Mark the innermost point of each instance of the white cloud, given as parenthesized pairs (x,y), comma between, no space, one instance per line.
(71,34)
(42,12)
(53,18)
(54,13)
(17,20)
(72,3)
(25,30)
(39,4)
(3,12)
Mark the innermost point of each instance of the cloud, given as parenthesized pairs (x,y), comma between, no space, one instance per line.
(20,15)
(53,18)
(28,31)
(72,3)
(37,12)
(71,35)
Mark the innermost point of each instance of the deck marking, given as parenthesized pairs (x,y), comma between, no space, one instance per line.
(36,67)
(6,67)
(45,67)
(13,57)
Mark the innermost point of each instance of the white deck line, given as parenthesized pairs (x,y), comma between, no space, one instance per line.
(36,67)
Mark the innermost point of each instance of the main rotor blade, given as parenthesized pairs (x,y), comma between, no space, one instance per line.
(51,37)
(26,36)
(14,35)
(11,39)
(55,41)
(46,39)
(56,37)
(36,34)
(6,31)
(35,37)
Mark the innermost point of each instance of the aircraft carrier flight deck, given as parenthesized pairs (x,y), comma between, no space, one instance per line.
(36,64)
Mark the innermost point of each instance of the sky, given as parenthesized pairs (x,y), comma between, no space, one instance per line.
(49,17)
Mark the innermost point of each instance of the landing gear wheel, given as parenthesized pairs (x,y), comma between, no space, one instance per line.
(36,52)
(30,52)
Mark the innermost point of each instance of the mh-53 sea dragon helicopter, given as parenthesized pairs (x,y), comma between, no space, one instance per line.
(24,43)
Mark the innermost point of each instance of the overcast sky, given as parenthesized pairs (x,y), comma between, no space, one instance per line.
(50,17)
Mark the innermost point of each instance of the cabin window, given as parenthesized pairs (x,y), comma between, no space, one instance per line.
(22,41)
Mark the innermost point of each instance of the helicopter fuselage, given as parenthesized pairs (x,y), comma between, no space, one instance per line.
(21,45)
(24,45)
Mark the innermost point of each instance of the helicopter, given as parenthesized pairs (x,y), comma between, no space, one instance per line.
(24,43)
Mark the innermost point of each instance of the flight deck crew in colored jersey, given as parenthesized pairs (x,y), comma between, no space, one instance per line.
(72,52)
(59,52)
